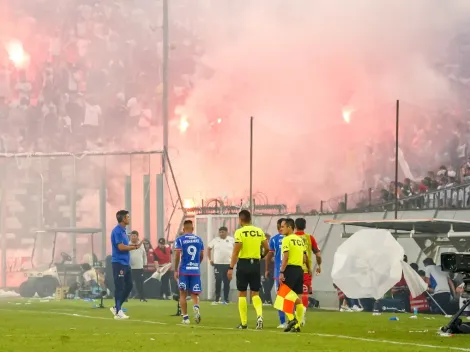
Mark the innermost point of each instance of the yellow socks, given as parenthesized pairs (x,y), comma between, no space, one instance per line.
(299,313)
(258,304)
(290,316)
(243,309)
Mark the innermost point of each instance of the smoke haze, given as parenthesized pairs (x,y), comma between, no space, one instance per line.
(294,66)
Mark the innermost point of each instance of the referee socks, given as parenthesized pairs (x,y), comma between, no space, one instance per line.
(258,304)
(243,310)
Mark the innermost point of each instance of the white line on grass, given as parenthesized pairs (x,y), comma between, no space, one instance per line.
(388,342)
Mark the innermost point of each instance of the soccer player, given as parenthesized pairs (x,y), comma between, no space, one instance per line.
(312,247)
(190,252)
(246,255)
(275,249)
(292,274)
(121,263)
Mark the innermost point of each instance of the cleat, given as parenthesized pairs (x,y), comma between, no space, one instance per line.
(282,326)
(242,327)
(113,310)
(290,325)
(259,323)
(185,322)
(294,329)
(357,309)
(224,303)
(197,316)
(345,309)
(121,316)
(215,303)
(143,300)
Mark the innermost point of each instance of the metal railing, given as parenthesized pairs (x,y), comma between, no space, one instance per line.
(451,197)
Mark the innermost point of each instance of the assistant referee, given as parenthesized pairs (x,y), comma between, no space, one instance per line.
(292,273)
(246,254)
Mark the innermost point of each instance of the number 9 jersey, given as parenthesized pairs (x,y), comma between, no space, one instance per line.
(191,247)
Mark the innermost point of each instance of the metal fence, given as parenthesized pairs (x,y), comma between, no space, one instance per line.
(68,191)
(452,197)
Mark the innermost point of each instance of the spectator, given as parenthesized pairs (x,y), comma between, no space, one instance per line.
(441,286)
(162,255)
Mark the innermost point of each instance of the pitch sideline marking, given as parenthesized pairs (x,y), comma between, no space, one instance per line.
(389,342)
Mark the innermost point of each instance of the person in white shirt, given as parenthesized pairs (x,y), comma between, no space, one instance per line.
(440,284)
(138,259)
(219,253)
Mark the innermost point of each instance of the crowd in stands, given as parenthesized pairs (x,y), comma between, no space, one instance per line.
(75,74)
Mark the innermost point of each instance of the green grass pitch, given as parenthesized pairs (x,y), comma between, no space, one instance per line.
(63,326)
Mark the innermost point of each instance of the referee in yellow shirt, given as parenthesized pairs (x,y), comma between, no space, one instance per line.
(246,254)
(294,255)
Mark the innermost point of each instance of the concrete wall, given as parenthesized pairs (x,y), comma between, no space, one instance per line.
(328,238)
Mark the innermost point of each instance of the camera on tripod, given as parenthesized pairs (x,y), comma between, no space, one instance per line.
(457,263)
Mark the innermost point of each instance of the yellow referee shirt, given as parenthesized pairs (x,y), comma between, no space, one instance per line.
(295,245)
(251,238)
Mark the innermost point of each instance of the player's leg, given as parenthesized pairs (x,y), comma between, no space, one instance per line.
(128,283)
(218,282)
(183,287)
(255,286)
(242,287)
(294,280)
(307,289)
(226,282)
(299,289)
(195,288)
(118,287)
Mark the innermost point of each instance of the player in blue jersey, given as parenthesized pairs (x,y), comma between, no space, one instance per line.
(275,249)
(190,252)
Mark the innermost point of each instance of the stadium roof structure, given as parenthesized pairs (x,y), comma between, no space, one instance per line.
(441,232)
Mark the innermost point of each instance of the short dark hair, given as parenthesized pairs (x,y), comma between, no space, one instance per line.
(135,232)
(187,222)
(300,224)
(244,215)
(279,222)
(421,273)
(223,228)
(121,214)
(428,261)
(290,222)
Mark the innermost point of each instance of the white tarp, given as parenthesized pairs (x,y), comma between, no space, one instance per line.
(368,264)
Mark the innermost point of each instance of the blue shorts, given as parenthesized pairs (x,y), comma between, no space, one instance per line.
(191,283)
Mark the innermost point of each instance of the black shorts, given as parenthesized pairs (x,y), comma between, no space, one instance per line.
(294,278)
(248,275)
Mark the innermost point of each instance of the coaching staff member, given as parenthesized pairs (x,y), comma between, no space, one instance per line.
(246,254)
(294,256)
(121,263)
(220,260)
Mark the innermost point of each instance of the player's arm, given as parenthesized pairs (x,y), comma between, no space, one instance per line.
(307,263)
(317,252)
(178,248)
(209,252)
(201,257)
(285,257)
(121,246)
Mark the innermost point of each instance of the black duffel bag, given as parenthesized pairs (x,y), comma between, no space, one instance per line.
(389,305)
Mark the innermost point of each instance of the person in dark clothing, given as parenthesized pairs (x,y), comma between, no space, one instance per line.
(267,280)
